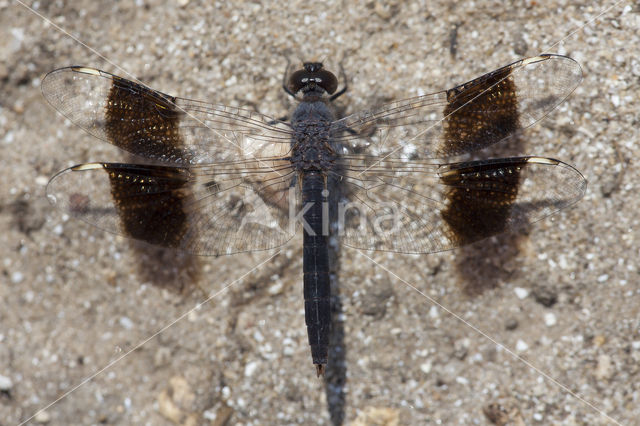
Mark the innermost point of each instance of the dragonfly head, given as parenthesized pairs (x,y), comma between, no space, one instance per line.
(313,78)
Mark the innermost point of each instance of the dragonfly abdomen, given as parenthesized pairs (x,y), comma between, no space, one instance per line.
(315,266)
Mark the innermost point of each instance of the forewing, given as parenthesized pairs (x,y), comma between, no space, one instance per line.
(158,126)
(417,207)
(465,118)
(213,209)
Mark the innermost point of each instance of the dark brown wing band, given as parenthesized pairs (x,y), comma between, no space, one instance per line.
(150,200)
(142,121)
(484,109)
(480,198)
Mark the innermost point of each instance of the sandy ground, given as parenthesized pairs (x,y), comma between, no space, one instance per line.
(564,295)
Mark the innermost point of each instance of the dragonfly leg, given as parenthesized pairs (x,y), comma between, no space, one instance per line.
(285,79)
(342,91)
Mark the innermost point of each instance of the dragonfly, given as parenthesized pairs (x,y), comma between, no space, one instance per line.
(212,179)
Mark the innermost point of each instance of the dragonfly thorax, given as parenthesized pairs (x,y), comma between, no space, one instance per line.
(311,148)
(311,139)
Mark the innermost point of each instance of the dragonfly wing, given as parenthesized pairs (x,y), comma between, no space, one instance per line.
(213,209)
(417,207)
(466,118)
(160,127)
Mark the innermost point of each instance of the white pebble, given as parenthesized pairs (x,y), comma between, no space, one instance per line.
(615,100)
(462,380)
(126,323)
(250,368)
(5,383)
(42,417)
(276,287)
(226,392)
(521,293)
(562,262)
(231,81)
(550,319)
(288,350)
(521,346)
(210,415)
(434,312)
(17,277)
(258,337)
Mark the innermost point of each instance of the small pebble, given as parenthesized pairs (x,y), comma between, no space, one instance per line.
(17,277)
(615,100)
(511,324)
(181,391)
(545,296)
(462,380)
(126,323)
(5,383)
(599,340)
(521,346)
(521,293)
(603,368)
(434,312)
(276,288)
(550,319)
(42,417)
(250,368)
(461,348)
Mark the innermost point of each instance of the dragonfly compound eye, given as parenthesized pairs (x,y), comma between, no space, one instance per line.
(312,76)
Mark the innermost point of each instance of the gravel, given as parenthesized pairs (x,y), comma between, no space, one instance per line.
(94,298)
